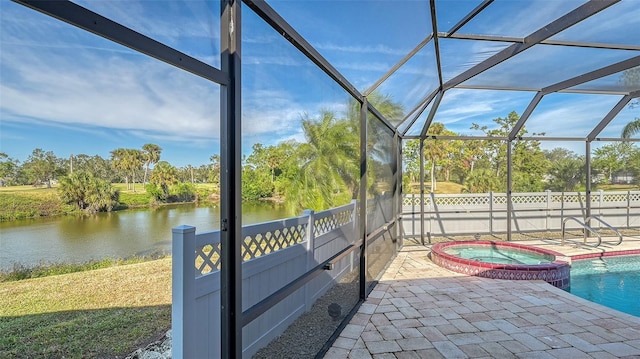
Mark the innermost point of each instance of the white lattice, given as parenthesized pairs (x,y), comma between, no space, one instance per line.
(634,197)
(267,242)
(574,198)
(411,200)
(207,259)
(529,199)
(467,200)
(500,199)
(614,197)
(327,224)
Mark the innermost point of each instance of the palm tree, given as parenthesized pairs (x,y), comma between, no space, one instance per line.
(164,175)
(151,154)
(328,163)
(631,128)
(127,160)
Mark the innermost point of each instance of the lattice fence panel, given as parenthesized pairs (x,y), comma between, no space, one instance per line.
(619,197)
(411,200)
(500,199)
(207,259)
(264,243)
(634,197)
(462,201)
(529,199)
(329,223)
(574,198)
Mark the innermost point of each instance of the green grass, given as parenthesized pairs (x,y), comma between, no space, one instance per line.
(100,313)
(18,203)
(20,272)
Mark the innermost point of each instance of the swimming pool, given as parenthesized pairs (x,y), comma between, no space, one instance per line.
(612,281)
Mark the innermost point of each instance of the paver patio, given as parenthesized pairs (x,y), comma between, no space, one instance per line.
(420,310)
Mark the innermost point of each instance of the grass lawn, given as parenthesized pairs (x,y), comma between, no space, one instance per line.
(100,313)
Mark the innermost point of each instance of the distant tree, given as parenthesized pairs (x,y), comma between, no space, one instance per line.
(87,192)
(612,158)
(528,162)
(438,152)
(566,169)
(127,160)
(466,157)
(482,180)
(163,176)
(41,167)
(214,170)
(411,164)
(150,155)
(96,165)
(632,128)
(8,169)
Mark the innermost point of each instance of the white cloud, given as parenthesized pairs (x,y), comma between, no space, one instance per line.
(112,91)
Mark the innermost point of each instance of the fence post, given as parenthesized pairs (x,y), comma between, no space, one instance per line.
(183,318)
(491,212)
(600,203)
(310,247)
(548,219)
(628,208)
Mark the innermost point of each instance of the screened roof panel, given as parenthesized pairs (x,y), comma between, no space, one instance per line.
(450,12)
(544,65)
(194,27)
(618,24)
(614,128)
(570,115)
(459,55)
(413,81)
(361,39)
(418,125)
(518,18)
(624,82)
(460,108)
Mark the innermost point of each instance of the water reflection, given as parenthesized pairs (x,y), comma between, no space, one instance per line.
(111,235)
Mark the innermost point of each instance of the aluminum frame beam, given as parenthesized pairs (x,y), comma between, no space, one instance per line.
(608,118)
(593,45)
(473,13)
(418,110)
(271,17)
(92,22)
(395,67)
(573,17)
(432,114)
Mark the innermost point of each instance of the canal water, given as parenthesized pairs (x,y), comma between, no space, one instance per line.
(76,239)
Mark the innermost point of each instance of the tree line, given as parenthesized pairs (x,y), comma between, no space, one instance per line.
(324,170)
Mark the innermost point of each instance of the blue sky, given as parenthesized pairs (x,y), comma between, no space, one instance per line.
(68,91)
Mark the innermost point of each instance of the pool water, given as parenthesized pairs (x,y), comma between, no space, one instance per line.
(499,255)
(611,281)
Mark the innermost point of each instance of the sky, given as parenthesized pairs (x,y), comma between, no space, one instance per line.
(65,90)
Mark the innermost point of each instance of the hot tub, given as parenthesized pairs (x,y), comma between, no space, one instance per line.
(502,260)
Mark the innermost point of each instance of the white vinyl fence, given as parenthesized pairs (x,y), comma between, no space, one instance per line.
(275,253)
(486,213)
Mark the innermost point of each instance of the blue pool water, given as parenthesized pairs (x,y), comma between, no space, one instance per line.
(611,281)
(500,255)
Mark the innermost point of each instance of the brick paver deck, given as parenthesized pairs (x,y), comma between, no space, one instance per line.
(420,310)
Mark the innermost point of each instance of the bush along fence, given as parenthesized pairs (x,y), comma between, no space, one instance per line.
(274,254)
(486,213)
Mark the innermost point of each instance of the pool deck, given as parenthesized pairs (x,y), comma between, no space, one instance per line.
(420,310)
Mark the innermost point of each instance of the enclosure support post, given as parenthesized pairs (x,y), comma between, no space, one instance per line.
(421,150)
(588,184)
(509,188)
(362,232)
(230,184)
